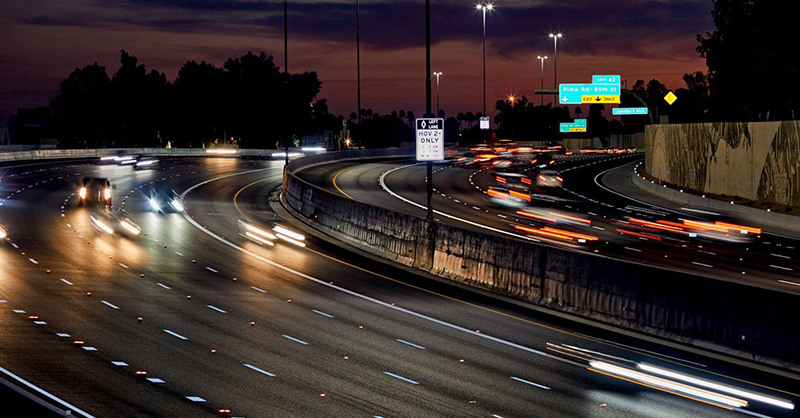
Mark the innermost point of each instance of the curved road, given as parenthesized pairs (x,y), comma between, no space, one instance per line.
(192,320)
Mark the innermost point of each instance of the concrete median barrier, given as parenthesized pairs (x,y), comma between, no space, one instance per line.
(750,323)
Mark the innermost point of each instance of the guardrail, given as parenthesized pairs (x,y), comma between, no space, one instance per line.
(693,310)
(54,154)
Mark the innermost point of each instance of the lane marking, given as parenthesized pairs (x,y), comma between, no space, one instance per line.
(123,265)
(89,348)
(322,313)
(633,249)
(69,283)
(176,252)
(63,335)
(217,309)
(19,311)
(195,399)
(411,344)
(289,337)
(788,282)
(176,335)
(335,176)
(164,286)
(211,270)
(530,383)
(155,380)
(781,256)
(42,392)
(119,363)
(109,304)
(258,290)
(781,268)
(405,379)
(33,261)
(702,264)
(251,367)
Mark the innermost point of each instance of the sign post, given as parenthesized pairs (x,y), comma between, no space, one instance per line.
(430,148)
(484,122)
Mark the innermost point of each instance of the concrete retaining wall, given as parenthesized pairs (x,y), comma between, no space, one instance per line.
(755,160)
(752,323)
(54,154)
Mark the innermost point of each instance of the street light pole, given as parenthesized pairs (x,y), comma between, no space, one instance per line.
(358,70)
(286,75)
(555,37)
(542,58)
(437,74)
(484,8)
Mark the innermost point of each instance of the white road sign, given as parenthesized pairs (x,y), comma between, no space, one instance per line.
(430,139)
(484,122)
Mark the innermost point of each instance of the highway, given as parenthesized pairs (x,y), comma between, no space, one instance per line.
(190,319)
(765,260)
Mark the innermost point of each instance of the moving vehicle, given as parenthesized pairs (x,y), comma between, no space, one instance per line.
(549,178)
(105,221)
(95,190)
(144,163)
(513,181)
(166,202)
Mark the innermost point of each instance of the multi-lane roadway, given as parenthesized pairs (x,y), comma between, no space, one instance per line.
(190,319)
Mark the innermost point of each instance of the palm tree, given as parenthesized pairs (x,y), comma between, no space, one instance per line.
(578,111)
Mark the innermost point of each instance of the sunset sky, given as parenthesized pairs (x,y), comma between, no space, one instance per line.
(43,40)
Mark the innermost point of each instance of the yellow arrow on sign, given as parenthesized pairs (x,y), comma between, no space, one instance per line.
(600,99)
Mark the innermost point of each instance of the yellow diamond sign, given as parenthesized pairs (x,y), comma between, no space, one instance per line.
(670,97)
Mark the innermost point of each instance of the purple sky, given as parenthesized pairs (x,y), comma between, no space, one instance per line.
(43,40)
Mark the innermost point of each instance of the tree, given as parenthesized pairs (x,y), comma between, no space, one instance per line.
(578,111)
(81,108)
(752,73)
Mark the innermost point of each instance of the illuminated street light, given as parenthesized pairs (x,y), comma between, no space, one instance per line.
(555,37)
(484,8)
(542,58)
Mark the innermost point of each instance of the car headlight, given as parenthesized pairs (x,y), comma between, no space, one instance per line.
(154,204)
(82,193)
(176,205)
(108,193)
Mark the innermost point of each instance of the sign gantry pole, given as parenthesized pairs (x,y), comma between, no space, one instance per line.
(430,148)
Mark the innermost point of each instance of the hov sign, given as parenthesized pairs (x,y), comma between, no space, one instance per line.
(430,139)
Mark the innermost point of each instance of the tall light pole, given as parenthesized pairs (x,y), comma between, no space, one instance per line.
(542,58)
(484,8)
(286,74)
(429,217)
(358,71)
(555,37)
(437,74)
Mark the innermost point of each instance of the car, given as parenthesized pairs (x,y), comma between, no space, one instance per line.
(95,190)
(144,163)
(507,197)
(513,181)
(165,201)
(114,222)
(549,178)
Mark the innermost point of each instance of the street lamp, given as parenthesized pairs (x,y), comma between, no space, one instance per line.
(555,37)
(542,58)
(484,8)
(437,74)
(513,100)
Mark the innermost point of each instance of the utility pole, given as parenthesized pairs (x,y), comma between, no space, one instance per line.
(358,71)
(286,76)
(428,97)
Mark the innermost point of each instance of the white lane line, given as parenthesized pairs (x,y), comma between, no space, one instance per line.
(702,264)
(119,363)
(597,227)
(289,337)
(530,383)
(476,208)
(35,388)
(216,309)
(502,216)
(109,304)
(405,379)
(353,293)
(154,380)
(706,252)
(90,348)
(195,399)
(33,261)
(69,283)
(633,249)
(322,313)
(411,344)
(211,270)
(781,267)
(164,286)
(781,256)
(788,282)
(15,245)
(176,252)
(251,367)
(19,311)
(258,290)
(40,322)
(176,335)
(62,335)
(123,266)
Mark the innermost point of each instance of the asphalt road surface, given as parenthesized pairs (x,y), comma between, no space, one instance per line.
(766,260)
(190,319)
